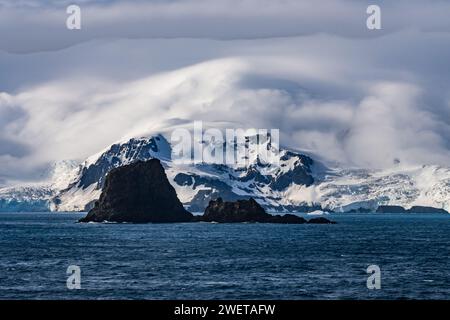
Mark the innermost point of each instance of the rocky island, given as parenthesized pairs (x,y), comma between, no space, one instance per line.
(141,193)
(243,211)
(138,193)
(413,209)
(249,211)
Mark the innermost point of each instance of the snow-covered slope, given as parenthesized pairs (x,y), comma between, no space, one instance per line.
(347,190)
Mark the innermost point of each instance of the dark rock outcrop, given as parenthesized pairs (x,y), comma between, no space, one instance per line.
(138,193)
(286,219)
(423,209)
(413,209)
(237,211)
(248,211)
(391,209)
(320,220)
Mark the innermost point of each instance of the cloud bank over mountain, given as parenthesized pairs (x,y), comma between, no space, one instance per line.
(332,87)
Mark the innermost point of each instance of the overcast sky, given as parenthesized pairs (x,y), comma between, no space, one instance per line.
(352,95)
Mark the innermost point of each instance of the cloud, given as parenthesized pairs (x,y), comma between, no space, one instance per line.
(12,148)
(339,92)
(207,19)
(353,112)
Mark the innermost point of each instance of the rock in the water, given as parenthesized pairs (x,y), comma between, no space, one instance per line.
(413,209)
(243,211)
(138,193)
(321,220)
(286,219)
(424,209)
(391,209)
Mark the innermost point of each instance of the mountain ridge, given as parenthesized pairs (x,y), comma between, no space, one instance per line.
(298,184)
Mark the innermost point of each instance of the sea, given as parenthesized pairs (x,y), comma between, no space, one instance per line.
(51,256)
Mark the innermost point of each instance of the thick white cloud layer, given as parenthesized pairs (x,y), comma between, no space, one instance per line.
(347,96)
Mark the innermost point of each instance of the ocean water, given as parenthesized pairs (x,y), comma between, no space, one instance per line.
(225,261)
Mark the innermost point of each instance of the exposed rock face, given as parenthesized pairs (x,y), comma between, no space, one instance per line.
(118,155)
(286,219)
(320,220)
(244,211)
(138,193)
(413,209)
(391,209)
(423,209)
(238,211)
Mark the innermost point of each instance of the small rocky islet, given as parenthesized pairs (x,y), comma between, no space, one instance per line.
(141,193)
(249,211)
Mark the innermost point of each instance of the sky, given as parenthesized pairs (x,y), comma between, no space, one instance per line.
(358,97)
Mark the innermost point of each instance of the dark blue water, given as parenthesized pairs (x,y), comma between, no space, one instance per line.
(225,261)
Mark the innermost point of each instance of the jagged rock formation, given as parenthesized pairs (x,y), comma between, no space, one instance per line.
(238,211)
(320,220)
(248,211)
(138,193)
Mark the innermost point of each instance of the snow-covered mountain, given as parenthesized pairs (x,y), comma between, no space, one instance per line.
(195,184)
(297,183)
(355,190)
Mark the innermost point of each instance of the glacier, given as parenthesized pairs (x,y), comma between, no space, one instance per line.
(38,197)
